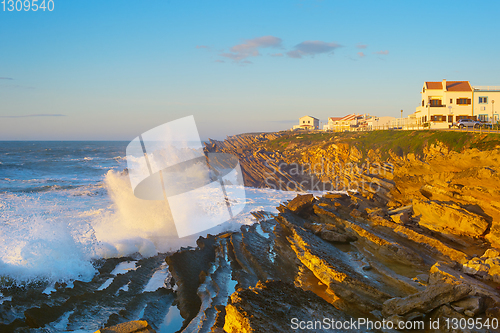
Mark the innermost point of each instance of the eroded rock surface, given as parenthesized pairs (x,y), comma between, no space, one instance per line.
(449,218)
(275,306)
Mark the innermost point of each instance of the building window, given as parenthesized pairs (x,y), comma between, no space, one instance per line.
(463,101)
(436,102)
(438,118)
(308,121)
(483,100)
(423,103)
(483,117)
(451,100)
(450,119)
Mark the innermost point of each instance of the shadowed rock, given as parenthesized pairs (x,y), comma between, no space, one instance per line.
(427,300)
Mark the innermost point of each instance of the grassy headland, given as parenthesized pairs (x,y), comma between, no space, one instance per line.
(399,142)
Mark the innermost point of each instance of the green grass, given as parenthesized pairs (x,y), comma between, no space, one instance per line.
(302,139)
(399,142)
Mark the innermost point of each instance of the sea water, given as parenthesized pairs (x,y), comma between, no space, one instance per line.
(64,204)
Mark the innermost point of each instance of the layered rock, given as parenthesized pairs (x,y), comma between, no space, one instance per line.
(275,306)
(449,218)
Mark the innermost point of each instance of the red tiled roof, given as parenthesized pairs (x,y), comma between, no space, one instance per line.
(349,117)
(450,85)
(334,118)
(434,85)
(458,86)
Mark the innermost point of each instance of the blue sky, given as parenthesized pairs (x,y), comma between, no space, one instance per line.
(110,70)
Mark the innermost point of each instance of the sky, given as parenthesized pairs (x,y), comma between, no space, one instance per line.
(111,70)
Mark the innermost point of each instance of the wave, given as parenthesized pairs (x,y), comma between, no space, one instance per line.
(57,238)
(38,247)
(41,189)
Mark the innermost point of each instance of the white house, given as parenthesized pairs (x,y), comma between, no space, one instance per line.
(341,124)
(484,103)
(443,103)
(375,123)
(307,122)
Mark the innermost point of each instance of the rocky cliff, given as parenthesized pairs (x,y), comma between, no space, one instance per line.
(406,233)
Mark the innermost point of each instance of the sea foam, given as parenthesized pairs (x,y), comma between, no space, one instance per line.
(56,235)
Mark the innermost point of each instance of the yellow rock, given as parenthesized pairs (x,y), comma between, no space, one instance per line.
(136,326)
(449,218)
(491,253)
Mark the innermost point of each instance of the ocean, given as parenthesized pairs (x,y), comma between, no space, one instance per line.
(64,205)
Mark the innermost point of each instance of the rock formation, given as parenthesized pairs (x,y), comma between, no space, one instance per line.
(413,237)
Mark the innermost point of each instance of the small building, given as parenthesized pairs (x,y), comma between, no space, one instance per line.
(341,124)
(484,103)
(307,123)
(443,103)
(380,123)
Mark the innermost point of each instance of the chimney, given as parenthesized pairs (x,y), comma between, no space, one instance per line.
(444,84)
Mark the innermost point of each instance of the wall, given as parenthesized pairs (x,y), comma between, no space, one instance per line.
(489,107)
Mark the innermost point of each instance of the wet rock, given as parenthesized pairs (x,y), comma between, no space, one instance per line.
(38,317)
(136,326)
(188,268)
(427,300)
(449,218)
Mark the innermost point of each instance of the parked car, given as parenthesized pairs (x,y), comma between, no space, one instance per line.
(467,123)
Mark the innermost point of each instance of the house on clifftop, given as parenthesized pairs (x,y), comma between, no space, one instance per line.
(308,123)
(443,103)
(346,123)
